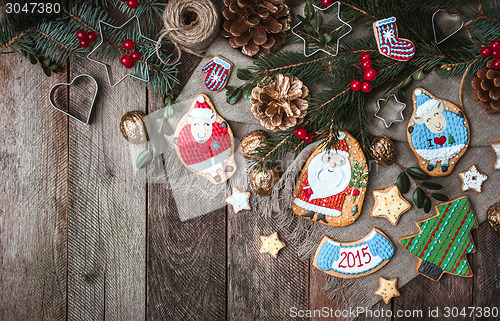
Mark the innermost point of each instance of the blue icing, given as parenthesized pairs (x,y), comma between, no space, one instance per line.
(328,254)
(454,126)
(380,246)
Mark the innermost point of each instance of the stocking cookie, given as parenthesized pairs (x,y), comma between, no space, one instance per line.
(388,42)
(444,240)
(204,142)
(349,260)
(438,133)
(332,185)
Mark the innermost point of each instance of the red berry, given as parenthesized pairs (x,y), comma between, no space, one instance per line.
(495,54)
(366,64)
(128,44)
(495,45)
(301,133)
(326,3)
(496,64)
(127,61)
(132,3)
(365,56)
(356,85)
(136,55)
(81,35)
(308,138)
(370,74)
(92,36)
(84,43)
(366,87)
(485,52)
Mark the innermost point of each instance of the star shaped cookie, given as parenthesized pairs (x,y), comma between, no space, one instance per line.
(239,200)
(387,289)
(496,148)
(472,179)
(389,203)
(271,244)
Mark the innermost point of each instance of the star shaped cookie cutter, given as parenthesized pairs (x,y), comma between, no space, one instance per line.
(338,40)
(108,67)
(394,120)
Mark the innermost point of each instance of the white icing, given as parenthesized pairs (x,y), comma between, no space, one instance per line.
(316,208)
(201,99)
(472,179)
(239,200)
(496,148)
(441,154)
(418,92)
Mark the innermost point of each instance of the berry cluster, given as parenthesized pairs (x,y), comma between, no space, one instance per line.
(494,51)
(131,3)
(326,3)
(302,133)
(85,38)
(129,60)
(369,74)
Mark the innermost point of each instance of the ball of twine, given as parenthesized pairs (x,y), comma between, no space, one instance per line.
(191,25)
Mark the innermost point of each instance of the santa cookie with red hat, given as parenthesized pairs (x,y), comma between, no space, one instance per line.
(332,184)
(204,142)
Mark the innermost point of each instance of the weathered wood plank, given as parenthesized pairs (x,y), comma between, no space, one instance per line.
(107,212)
(261,287)
(33,202)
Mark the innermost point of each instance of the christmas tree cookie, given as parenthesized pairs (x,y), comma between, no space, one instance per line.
(444,240)
(332,185)
(438,133)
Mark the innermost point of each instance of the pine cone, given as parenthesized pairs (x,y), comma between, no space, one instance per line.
(486,89)
(281,103)
(256,25)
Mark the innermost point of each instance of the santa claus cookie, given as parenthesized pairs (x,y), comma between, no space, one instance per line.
(331,187)
(354,259)
(438,133)
(204,142)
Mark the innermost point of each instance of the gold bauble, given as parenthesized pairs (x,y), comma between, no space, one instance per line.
(263,181)
(251,141)
(383,150)
(133,127)
(493,217)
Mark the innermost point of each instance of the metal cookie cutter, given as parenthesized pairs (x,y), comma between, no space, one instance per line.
(434,27)
(108,67)
(394,120)
(338,40)
(51,98)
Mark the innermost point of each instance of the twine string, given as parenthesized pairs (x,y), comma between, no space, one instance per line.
(191,25)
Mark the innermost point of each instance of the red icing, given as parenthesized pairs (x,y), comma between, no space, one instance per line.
(440,141)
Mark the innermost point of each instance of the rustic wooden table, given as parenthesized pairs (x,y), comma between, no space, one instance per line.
(79,246)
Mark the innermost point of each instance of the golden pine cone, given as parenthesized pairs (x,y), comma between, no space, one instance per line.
(263,181)
(486,89)
(281,104)
(383,150)
(256,25)
(493,217)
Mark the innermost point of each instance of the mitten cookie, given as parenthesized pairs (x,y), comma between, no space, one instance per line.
(218,71)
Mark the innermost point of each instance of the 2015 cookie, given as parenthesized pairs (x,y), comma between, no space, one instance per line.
(438,133)
(354,259)
(204,142)
(444,240)
(332,185)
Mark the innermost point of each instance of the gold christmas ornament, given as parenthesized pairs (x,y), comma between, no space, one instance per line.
(256,25)
(263,181)
(383,150)
(133,127)
(251,141)
(281,103)
(493,217)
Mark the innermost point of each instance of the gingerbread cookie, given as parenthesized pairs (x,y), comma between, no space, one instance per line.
(444,240)
(218,70)
(496,148)
(239,200)
(387,289)
(438,133)
(332,185)
(349,260)
(388,42)
(389,203)
(204,142)
(271,244)
(472,179)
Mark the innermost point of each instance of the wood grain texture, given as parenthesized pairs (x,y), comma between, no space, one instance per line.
(107,209)
(261,287)
(33,202)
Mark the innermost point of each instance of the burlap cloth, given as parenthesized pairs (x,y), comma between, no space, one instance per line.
(188,187)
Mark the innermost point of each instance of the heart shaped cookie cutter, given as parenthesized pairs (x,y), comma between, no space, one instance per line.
(51,98)
(451,34)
